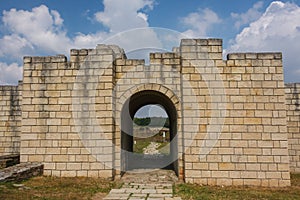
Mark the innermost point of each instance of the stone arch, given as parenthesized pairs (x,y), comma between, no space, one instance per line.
(151,86)
(135,98)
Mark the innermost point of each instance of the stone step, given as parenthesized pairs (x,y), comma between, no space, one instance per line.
(21,171)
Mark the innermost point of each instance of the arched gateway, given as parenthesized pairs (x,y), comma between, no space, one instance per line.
(228,121)
(135,161)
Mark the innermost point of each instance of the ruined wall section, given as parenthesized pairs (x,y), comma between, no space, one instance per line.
(293,124)
(253,147)
(163,75)
(54,121)
(10,119)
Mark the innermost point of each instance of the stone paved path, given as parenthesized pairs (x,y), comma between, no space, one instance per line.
(151,148)
(143,184)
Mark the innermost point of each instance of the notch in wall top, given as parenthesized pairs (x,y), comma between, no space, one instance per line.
(164,55)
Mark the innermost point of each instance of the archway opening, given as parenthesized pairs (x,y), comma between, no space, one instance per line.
(148,132)
(151,131)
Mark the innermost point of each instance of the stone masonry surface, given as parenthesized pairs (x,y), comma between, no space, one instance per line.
(10,119)
(292,92)
(143,184)
(67,114)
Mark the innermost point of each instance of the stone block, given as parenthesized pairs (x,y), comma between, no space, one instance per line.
(59,58)
(263,56)
(215,42)
(27,59)
(60,158)
(236,56)
(188,42)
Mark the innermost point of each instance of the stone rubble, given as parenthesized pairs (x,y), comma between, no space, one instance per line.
(21,171)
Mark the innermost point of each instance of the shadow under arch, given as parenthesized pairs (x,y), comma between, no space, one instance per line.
(129,160)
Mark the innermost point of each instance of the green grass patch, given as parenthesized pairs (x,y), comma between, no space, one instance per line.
(140,145)
(56,188)
(197,192)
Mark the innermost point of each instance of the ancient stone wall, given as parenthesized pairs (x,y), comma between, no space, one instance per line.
(10,119)
(252,149)
(161,75)
(51,133)
(231,118)
(293,124)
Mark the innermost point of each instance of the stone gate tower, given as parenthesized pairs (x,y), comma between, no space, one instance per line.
(228,123)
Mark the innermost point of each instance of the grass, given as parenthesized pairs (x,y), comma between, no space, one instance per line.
(195,192)
(56,188)
(140,145)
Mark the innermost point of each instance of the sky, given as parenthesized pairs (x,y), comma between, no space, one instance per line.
(51,27)
(152,110)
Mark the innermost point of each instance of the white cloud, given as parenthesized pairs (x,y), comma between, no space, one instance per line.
(199,23)
(39,29)
(278,29)
(123,15)
(14,46)
(127,24)
(251,15)
(57,20)
(10,74)
(30,32)
(89,40)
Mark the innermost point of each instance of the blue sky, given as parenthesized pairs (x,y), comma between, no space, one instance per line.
(152,110)
(51,27)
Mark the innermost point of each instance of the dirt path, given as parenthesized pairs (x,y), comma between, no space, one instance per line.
(152,148)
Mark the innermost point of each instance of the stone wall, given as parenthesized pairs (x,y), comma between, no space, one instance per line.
(293,124)
(161,75)
(10,119)
(231,116)
(252,149)
(51,131)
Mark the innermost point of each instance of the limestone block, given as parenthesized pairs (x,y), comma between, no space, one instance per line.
(27,59)
(236,56)
(59,58)
(215,42)
(68,173)
(83,52)
(188,42)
